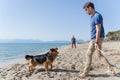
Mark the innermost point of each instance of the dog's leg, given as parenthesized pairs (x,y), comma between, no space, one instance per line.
(30,68)
(51,66)
(46,66)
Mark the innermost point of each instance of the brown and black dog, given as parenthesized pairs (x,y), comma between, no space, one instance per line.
(44,59)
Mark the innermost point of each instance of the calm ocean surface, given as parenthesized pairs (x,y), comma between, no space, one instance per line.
(13,52)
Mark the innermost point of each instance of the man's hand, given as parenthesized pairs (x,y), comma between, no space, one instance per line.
(97,46)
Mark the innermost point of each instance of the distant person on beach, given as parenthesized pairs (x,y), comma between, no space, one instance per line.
(73,41)
(97,37)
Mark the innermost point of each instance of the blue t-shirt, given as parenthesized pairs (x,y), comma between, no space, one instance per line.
(96,19)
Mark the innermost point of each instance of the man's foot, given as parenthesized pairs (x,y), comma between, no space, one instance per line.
(111,70)
(83,75)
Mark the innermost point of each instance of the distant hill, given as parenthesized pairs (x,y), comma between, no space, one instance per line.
(64,41)
(58,41)
(114,35)
(34,41)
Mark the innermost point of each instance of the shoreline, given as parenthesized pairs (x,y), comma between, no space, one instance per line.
(68,65)
(18,58)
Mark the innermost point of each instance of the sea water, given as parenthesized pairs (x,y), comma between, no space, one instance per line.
(13,52)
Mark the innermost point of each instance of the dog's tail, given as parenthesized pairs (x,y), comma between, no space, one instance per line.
(28,56)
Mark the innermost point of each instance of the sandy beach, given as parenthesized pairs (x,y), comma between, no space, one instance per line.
(68,65)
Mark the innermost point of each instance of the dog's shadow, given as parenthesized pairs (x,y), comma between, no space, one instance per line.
(104,75)
(59,70)
(65,70)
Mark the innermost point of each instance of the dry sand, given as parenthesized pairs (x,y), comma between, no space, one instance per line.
(68,65)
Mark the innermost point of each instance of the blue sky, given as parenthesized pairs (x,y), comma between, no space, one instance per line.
(49,20)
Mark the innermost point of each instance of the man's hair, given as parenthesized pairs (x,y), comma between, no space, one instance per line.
(89,4)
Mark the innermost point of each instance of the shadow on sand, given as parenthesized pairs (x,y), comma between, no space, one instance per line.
(59,70)
(104,75)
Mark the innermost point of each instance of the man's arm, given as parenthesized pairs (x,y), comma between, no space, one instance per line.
(98,28)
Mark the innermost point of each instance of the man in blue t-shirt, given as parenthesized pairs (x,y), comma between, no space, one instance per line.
(97,37)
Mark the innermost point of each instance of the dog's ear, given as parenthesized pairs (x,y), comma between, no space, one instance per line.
(52,49)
